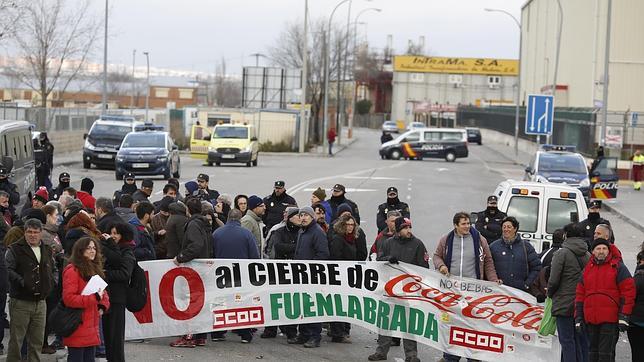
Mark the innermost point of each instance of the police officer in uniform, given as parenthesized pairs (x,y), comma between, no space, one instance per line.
(592,221)
(276,203)
(10,188)
(489,221)
(393,204)
(204,192)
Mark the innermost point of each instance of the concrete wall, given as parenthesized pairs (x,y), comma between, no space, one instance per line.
(66,141)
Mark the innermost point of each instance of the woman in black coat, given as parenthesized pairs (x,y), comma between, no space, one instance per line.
(118,251)
(636,323)
(346,242)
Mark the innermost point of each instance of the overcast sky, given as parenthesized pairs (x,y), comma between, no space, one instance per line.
(194,34)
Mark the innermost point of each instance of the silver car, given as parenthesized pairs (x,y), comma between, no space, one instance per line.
(390,126)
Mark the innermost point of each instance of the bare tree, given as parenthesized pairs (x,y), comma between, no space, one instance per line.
(53,41)
(10,12)
(288,53)
(226,90)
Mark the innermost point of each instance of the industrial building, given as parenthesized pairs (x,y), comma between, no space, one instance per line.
(426,88)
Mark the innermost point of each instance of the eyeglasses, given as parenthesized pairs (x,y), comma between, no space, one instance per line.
(90,248)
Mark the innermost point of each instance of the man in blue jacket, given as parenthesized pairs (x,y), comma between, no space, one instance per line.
(312,244)
(232,241)
(516,262)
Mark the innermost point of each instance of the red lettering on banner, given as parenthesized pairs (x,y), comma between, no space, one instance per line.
(196,289)
(469,338)
(145,315)
(493,307)
(238,317)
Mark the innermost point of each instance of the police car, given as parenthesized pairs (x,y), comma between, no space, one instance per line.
(148,151)
(447,143)
(559,164)
(540,208)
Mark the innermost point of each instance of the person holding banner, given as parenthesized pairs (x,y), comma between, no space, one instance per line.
(346,243)
(604,300)
(405,247)
(196,244)
(311,244)
(464,252)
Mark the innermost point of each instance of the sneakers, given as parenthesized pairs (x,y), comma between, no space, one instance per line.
(48,350)
(183,342)
(312,343)
(217,338)
(57,345)
(377,357)
(199,342)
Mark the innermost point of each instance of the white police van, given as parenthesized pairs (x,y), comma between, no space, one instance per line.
(540,208)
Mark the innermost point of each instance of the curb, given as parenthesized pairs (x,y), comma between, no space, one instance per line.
(624,217)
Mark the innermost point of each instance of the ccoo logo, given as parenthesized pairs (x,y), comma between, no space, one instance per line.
(469,338)
(238,317)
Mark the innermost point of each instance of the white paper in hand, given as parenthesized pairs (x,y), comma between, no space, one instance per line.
(95,284)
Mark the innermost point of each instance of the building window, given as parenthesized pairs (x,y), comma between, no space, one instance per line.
(161,92)
(456,79)
(494,81)
(417,77)
(185,93)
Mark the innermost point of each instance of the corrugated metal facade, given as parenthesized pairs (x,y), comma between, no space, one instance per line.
(581,63)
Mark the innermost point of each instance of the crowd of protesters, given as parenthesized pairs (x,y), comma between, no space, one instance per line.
(64,237)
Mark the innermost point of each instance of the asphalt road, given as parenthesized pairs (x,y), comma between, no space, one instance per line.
(434,189)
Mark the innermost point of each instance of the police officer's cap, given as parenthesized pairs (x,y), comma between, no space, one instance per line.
(392,189)
(203,176)
(595,204)
(279,184)
(129,176)
(492,198)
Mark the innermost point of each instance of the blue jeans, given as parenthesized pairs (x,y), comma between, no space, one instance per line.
(81,354)
(454,358)
(311,331)
(574,346)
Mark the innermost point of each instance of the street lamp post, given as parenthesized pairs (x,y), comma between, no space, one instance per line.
(326,74)
(518,94)
(355,52)
(554,80)
(133,81)
(104,93)
(147,86)
(305,56)
(606,69)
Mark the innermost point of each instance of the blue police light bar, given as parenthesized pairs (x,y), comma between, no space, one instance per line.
(563,148)
(117,118)
(148,127)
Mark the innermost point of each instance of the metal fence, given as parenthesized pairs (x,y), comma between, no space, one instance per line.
(373,121)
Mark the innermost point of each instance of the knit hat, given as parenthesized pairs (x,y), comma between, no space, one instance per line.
(191,186)
(42,195)
(291,211)
(320,193)
(254,201)
(401,223)
(600,241)
(147,183)
(344,207)
(308,210)
(87,185)
(37,214)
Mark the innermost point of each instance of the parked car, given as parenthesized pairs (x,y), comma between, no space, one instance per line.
(104,138)
(390,126)
(148,153)
(474,135)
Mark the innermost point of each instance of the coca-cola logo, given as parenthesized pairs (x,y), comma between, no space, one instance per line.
(497,308)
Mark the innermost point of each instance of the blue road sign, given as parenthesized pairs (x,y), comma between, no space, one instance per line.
(540,114)
(634,118)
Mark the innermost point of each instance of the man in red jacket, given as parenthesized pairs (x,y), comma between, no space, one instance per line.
(604,299)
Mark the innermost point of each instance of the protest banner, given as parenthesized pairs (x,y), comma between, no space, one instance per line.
(466,317)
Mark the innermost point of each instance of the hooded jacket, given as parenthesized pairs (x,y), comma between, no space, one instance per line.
(516,262)
(408,250)
(605,291)
(483,257)
(197,240)
(174,229)
(232,241)
(119,263)
(157,224)
(637,316)
(565,272)
(143,243)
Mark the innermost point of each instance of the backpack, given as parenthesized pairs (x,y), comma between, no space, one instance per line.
(137,290)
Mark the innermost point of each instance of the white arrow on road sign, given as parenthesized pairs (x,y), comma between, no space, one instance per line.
(540,114)
(532,118)
(544,117)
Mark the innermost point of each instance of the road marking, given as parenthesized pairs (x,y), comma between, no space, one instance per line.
(441,169)
(373,178)
(299,187)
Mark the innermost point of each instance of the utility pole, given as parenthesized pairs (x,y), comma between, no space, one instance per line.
(147,86)
(104,95)
(343,103)
(606,78)
(133,82)
(305,55)
(257,55)
(554,80)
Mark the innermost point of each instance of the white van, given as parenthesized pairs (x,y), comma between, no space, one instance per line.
(540,208)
